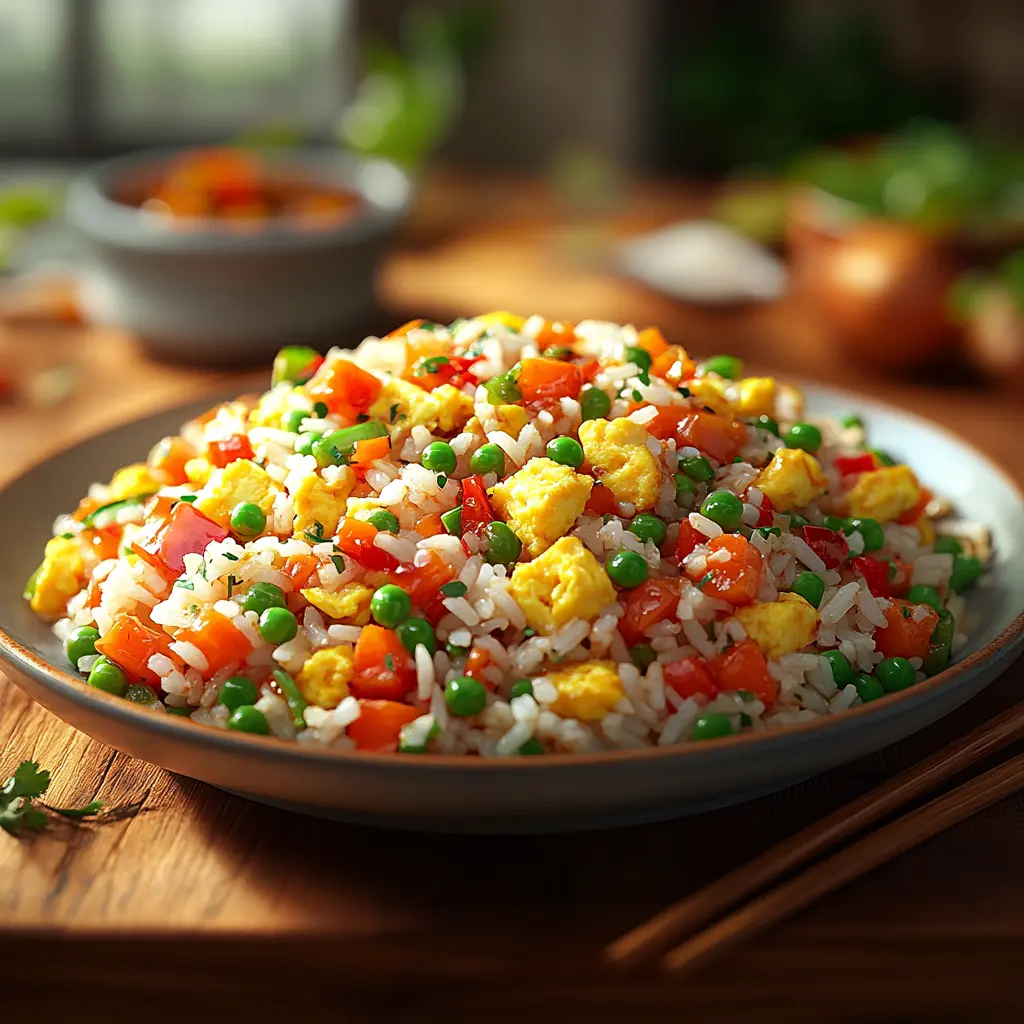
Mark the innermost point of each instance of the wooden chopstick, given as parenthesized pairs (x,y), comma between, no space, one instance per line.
(684,917)
(850,863)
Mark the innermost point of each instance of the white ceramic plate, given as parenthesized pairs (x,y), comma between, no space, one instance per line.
(546,793)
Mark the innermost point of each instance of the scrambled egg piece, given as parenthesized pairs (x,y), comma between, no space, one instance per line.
(509,418)
(780,627)
(198,471)
(271,407)
(316,501)
(131,481)
(362,508)
(587,691)
(240,480)
(566,582)
(59,578)
(792,479)
(502,318)
(455,408)
(618,452)
(710,391)
(350,605)
(755,396)
(885,494)
(927,531)
(324,679)
(413,407)
(541,502)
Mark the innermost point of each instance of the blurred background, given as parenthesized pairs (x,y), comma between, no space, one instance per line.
(833,188)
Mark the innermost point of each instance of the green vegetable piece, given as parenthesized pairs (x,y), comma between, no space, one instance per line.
(139,693)
(729,367)
(488,458)
(870,530)
(277,626)
(319,410)
(921,593)
(249,719)
(557,352)
(465,696)
(643,656)
(566,451)
(851,420)
(410,743)
(503,546)
(895,674)
(107,513)
(503,389)
(520,688)
(868,687)
(803,435)
(248,519)
(723,508)
(390,605)
(810,586)
(261,596)
(685,488)
(185,712)
(292,420)
(236,691)
(30,585)
(594,404)
(81,643)
(796,521)
(940,646)
(966,571)
(712,726)
(639,357)
(697,467)
(531,747)
(413,632)
(107,676)
(646,527)
(454,589)
(304,443)
(627,569)
(947,546)
(439,457)
(452,521)
(295,364)
(293,697)
(765,422)
(842,670)
(884,458)
(383,520)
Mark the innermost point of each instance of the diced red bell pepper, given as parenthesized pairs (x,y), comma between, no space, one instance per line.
(688,539)
(216,636)
(131,643)
(601,501)
(343,387)
(743,667)
(651,602)
(547,380)
(299,569)
(712,434)
(736,579)
(850,464)
(164,542)
(221,453)
(875,573)
(379,725)
(690,677)
(828,545)
(903,636)
(766,512)
(384,669)
(356,539)
(476,506)
(422,580)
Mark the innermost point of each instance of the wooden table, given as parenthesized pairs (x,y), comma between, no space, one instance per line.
(204,895)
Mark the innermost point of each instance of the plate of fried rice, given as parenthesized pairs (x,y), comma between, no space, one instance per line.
(511,573)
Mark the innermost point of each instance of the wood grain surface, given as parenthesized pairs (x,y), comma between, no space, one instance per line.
(205,897)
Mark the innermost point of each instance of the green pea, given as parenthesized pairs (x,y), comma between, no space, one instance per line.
(851,420)
(185,712)
(697,467)
(685,488)
(236,691)
(627,569)
(566,451)
(488,458)
(712,726)
(452,521)
(966,570)
(81,643)
(249,719)
(895,674)
(439,457)
(292,420)
(765,422)
(842,670)
(639,357)
(390,605)
(383,520)
(810,586)
(947,546)
(647,528)
(868,687)
(520,688)
(871,532)
(248,519)
(803,435)
(465,696)
(503,546)
(884,458)
(278,626)
(557,352)
(643,656)
(594,404)
(413,632)
(729,367)
(723,508)
(921,593)
(139,693)
(107,676)
(455,652)
(531,747)
(261,596)
(835,523)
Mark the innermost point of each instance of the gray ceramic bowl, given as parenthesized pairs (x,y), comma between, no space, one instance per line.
(213,295)
(545,793)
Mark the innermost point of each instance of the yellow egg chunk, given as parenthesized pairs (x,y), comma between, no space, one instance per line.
(132,481)
(198,471)
(270,409)
(617,450)
(454,408)
(402,406)
(780,627)
(710,391)
(884,494)
(238,481)
(59,578)
(792,479)
(501,318)
(323,680)
(541,502)
(350,604)
(755,396)
(316,501)
(509,418)
(587,691)
(566,582)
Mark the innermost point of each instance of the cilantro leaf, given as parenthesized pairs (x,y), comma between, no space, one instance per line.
(28,780)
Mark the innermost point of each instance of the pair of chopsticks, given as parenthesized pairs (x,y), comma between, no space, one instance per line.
(684,919)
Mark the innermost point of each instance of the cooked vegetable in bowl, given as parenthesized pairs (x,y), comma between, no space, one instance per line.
(507,537)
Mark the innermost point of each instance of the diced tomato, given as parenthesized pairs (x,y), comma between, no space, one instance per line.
(664,425)
(384,669)
(220,453)
(737,578)
(105,541)
(343,386)
(555,332)
(423,579)
(903,636)
(652,341)
(167,459)
(356,539)
(430,525)
(875,573)
(216,636)
(589,369)
(164,542)
(828,545)
(688,539)
(690,677)
(548,380)
(651,602)
(477,661)
(849,464)
(300,568)
(370,450)
(712,434)
(476,506)
(743,667)
(601,501)
(912,515)
(379,725)
(131,643)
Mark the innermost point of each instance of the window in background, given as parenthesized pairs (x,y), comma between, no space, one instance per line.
(32,89)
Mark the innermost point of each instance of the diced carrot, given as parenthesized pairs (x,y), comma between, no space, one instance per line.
(105,541)
(712,434)
(424,347)
(343,386)
(85,508)
(216,636)
(688,539)
(476,662)
(664,425)
(903,636)
(379,724)
(221,453)
(653,601)
(547,380)
(356,540)
(736,579)
(743,667)
(652,341)
(423,581)
(430,525)
(665,364)
(601,501)
(555,332)
(299,569)
(384,669)
(690,677)
(168,458)
(131,643)
(370,450)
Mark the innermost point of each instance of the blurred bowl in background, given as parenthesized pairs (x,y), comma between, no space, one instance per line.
(212,291)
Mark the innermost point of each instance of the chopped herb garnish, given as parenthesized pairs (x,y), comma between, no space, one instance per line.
(393,412)
(232,583)
(185,584)
(189,498)
(906,612)
(685,392)
(704,580)
(637,397)
(316,534)
(425,367)
(390,662)
(707,408)
(442,480)
(362,418)
(744,695)
(230,557)
(644,377)
(529,632)
(339,562)
(454,589)
(66,536)
(455,652)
